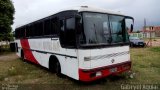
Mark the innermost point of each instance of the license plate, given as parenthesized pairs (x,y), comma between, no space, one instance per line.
(113,70)
(98,74)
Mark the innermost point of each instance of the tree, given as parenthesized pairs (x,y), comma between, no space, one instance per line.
(6,19)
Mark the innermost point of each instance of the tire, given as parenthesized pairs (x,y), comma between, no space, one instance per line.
(22,55)
(58,69)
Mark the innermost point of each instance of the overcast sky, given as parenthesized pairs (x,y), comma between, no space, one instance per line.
(30,10)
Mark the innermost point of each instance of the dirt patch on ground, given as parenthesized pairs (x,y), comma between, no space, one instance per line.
(8,57)
(153,42)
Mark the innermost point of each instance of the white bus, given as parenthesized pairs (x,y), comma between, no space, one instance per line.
(83,43)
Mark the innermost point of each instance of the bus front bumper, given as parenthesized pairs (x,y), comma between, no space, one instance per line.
(97,73)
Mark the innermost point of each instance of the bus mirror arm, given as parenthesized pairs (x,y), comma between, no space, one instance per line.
(131,27)
(132,24)
(128,17)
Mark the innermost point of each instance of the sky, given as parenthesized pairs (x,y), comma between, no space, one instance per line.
(29,10)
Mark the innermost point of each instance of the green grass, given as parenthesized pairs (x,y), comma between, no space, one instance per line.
(5,50)
(146,64)
(145,70)
(155,49)
(18,71)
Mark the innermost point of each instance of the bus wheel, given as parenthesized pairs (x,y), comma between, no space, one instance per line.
(22,55)
(58,69)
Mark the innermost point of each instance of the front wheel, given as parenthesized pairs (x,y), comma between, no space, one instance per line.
(58,69)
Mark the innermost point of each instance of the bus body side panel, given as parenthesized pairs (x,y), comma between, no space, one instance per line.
(28,52)
(39,51)
(36,46)
(69,65)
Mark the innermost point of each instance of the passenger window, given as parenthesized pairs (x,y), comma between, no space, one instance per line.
(105,28)
(54,26)
(47,27)
(62,25)
(70,24)
(67,33)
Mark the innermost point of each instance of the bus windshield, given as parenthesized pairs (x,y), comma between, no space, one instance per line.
(103,29)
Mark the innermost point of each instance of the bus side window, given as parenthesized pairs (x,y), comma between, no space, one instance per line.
(40,29)
(67,32)
(70,32)
(47,27)
(62,33)
(36,29)
(54,26)
(62,25)
(27,31)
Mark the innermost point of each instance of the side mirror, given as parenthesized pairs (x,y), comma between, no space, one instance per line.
(129,23)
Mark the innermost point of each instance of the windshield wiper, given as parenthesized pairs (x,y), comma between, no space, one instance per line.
(95,31)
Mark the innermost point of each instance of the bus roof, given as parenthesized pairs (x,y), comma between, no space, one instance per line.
(93,9)
(80,9)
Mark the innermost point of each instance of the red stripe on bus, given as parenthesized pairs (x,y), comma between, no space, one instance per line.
(27,52)
(90,75)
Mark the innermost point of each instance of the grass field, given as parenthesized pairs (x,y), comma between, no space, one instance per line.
(145,70)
